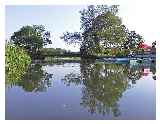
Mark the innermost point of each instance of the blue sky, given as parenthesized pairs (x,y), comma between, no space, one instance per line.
(56,19)
(135,14)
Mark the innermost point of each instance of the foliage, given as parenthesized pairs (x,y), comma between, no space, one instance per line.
(133,40)
(110,30)
(101,28)
(34,80)
(103,84)
(16,62)
(88,15)
(139,51)
(89,39)
(116,52)
(122,52)
(154,44)
(52,51)
(31,38)
(75,37)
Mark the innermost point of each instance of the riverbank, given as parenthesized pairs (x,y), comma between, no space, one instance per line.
(57,59)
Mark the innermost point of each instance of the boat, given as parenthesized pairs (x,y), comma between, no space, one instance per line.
(116,60)
(146,60)
(109,59)
(122,60)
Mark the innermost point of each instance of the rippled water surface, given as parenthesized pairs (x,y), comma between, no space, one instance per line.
(83,90)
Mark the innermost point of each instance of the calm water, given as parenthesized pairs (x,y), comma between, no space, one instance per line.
(83,90)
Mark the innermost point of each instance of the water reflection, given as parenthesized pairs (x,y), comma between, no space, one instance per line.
(34,80)
(104,84)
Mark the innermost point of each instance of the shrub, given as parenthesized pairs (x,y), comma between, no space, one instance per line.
(122,52)
(16,62)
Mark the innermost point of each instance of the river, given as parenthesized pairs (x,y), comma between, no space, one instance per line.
(83,90)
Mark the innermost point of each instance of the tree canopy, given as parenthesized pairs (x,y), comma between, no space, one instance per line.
(133,39)
(101,28)
(31,38)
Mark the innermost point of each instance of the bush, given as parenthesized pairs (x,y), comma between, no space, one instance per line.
(116,52)
(139,51)
(109,52)
(16,62)
(52,51)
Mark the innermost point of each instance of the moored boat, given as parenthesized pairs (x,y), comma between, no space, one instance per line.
(122,60)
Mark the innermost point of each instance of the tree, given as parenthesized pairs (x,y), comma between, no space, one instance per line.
(154,44)
(133,39)
(31,38)
(153,50)
(101,29)
(88,38)
(110,30)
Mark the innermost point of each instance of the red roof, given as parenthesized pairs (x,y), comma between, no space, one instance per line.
(144,46)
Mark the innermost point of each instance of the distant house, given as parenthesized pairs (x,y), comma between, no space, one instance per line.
(145,47)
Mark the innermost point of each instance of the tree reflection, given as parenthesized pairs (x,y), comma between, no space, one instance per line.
(72,78)
(34,80)
(153,70)
(137,71)
(103,85)
(134,73)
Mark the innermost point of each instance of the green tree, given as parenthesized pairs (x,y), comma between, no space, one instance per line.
(52,51)
(101,29)
(31,38)
(110,30)
(88,38)
(133,40)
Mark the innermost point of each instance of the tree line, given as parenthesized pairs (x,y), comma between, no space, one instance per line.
(102,32)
